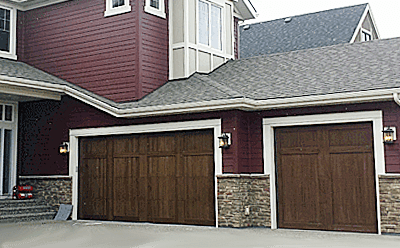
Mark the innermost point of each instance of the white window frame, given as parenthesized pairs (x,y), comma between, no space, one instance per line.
(111,11)
(12,54)
(221,40)
(366,32)
(10,125)
(160,12)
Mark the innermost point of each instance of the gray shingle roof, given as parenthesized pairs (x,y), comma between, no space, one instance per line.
(312,30)
(344,68)
(335,69)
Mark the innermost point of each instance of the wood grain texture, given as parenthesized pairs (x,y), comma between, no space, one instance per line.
(326,178)
(160,178)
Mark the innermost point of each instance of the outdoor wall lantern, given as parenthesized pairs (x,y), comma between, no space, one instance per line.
(225,140)
(64,148)
(389,135)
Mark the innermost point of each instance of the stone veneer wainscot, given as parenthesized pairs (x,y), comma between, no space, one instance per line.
(238,192)
(52,190)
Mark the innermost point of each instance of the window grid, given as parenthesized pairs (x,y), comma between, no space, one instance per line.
(210,25)
(155,4)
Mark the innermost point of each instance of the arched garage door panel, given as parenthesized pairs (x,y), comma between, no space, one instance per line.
(161,178)
(326,177)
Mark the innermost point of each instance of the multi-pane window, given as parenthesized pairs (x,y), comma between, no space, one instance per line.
(6,113)
(118,3)
(210,25)
(5,30)
(116,7)
(155,7)
(155,4)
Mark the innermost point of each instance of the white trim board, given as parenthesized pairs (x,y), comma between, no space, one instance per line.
(75,134)
(269,147)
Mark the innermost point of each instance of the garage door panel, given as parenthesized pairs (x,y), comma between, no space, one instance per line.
(93,196)
(299,204)
(161,143)
(198,141)
(155,177)
(125,187)
(126,145)
(352,198)
(328,182)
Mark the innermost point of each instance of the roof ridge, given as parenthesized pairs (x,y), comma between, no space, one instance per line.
(312,13)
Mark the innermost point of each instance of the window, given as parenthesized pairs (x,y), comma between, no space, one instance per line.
(210,25)
(366,36)
(155,7)
(8,126)
(7,33)
(116,7)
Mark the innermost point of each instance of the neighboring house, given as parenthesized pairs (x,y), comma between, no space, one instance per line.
(305,127)
(325,28)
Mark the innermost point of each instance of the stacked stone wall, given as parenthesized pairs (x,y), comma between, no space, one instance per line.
(238,193)
(53,191)
(389,188)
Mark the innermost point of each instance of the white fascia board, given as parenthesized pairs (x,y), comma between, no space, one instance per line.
(29,5)
(246,9)
(206,106)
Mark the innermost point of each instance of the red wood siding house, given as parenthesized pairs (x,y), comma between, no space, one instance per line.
(108,96)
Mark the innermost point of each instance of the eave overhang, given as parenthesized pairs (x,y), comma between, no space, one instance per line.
(246,9)
(25,5)
(132,110)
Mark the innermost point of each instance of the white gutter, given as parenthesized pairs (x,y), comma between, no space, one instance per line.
(206,106)
(396,98)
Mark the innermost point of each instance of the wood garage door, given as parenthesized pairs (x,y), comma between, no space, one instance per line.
(326,178)
(160,178)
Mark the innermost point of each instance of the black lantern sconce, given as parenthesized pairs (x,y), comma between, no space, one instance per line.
(225,140)
(64,148)
(389,135)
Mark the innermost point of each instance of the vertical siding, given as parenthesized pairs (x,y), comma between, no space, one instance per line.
(111,56)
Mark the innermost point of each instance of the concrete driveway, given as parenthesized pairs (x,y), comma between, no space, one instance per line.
(116,234)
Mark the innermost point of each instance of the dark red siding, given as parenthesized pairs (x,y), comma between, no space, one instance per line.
(111,56)
(44,125)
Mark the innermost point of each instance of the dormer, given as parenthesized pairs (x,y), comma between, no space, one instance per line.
(366,29)
(203,34)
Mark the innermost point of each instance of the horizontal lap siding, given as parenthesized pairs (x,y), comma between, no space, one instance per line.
(74,41)
(155,42)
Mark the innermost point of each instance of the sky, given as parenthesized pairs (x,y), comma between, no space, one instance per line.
(386,13)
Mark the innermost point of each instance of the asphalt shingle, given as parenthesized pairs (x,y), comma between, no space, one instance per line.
(312,30)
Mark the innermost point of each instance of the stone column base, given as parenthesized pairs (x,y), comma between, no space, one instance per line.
(51,190)
(243,201)
(389,188)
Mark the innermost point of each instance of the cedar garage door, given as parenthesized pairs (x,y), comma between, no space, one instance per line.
(161,178)
(326,177)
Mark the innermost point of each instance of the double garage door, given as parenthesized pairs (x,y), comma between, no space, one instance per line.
(161,178)
(326,178)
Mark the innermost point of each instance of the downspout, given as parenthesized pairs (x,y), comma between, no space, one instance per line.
(396,98)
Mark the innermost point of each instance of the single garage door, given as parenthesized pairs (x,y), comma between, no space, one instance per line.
(160,178)
(326,178)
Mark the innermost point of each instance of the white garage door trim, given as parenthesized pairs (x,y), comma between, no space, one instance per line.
(269,147)
(75,134)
